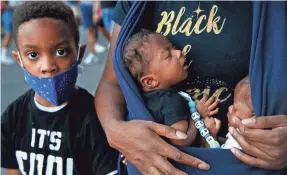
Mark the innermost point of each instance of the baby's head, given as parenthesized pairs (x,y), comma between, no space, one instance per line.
(46,36)
(153,61)
(242,106)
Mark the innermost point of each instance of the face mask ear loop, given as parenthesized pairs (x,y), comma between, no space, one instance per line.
(79,49)
(20,59)
(80,68)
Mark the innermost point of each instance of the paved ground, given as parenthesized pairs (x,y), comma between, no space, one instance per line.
(13,83)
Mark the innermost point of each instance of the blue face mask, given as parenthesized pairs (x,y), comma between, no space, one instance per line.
(57,89)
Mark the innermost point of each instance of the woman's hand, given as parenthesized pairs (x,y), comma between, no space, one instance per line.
(265,138)
(139,141)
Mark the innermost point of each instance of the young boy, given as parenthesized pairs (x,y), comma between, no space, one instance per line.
(157,66)
(242,107)
(52,128)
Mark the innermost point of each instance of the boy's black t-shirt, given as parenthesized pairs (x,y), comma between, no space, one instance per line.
(167,106)
(69,141)
(215,35)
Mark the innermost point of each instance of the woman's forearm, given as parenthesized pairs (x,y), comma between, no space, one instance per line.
(110,104)
(109,101)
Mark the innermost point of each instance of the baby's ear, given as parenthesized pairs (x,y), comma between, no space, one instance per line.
(81,53)
(149,81)
(16,57)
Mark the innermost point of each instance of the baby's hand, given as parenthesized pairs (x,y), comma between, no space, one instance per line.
(213,125)
(207,108)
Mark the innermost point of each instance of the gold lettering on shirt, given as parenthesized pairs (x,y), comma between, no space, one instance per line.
(212,23)
(186,49)
(166,20)
(174,28)
(186,25)
(206,91)
(196,27)
(191,25)
(217,93)
(195,93)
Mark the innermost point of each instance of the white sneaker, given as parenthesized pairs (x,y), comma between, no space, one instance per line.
(91,56)
(7,61)
(4,58)
(99,48)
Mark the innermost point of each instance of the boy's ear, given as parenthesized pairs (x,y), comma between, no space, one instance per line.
(17,58)
(81,53)
(149,81)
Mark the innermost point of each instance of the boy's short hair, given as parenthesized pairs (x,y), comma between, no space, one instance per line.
(134,56)
(244,92)
(58,10)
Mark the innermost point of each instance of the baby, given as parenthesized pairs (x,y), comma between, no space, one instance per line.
(157,66)
(242,108)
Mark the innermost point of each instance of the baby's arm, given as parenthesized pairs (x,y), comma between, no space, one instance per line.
(213,125)
(175,112)
(182,125)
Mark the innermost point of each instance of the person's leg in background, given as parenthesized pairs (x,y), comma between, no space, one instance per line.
(87,19)
(103,30)
(107,18)
(6,21)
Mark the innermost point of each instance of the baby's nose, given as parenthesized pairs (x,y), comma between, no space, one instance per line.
(178,54)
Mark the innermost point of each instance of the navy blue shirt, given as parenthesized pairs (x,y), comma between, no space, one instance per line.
(167,106)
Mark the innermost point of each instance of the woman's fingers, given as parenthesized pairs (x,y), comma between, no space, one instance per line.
(268,146)
(166,131)
(252,161)
(266,122)
(152,170)
(257,135)
(247,147)
(167,167)
(142,151)
(176,155)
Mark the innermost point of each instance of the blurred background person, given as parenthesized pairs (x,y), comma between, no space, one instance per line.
(107,11)
(98,21)
(86,8)
(75,6)
(7,10)
(103,11)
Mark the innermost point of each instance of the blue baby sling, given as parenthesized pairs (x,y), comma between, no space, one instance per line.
(268,76)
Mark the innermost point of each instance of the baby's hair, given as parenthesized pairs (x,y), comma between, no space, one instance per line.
(244,92)
(58,10)
(134,56)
